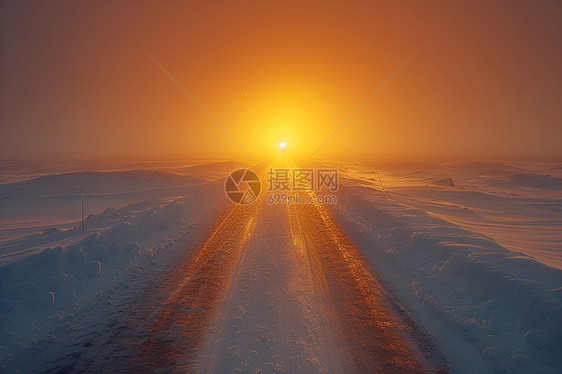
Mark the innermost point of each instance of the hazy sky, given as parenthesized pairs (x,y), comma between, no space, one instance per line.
(76,80)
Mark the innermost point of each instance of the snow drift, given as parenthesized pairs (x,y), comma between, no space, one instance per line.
(504,304)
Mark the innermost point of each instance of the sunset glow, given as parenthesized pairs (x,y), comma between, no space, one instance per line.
(269,70)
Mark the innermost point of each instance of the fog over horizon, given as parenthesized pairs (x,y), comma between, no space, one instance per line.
(78,82)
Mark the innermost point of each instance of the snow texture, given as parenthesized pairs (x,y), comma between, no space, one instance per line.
(481,300)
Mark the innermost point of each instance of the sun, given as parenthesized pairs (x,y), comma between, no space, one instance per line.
(282,145)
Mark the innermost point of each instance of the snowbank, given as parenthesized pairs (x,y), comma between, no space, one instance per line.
(65,292)
(66,279)
(453,282)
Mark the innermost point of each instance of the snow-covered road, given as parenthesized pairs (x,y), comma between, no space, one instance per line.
(279,288)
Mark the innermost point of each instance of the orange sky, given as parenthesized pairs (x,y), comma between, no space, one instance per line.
(76,81)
